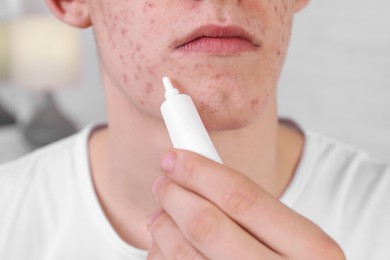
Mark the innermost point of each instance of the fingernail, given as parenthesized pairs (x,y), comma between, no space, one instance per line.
(154,216)
(157,183)
(168,161)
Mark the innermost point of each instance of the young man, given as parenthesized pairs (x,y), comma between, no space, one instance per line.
(118,191)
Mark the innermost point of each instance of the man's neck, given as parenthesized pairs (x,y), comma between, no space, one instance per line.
(125,162)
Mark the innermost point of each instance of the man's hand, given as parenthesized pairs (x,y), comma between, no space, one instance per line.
(210,211)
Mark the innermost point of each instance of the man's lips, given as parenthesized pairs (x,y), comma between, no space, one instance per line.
(218,40)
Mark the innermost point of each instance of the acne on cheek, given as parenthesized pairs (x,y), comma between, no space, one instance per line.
(282,12)
(148,5)
(124,32)
(148,91)
(125,78)
(149,88)
(254,104)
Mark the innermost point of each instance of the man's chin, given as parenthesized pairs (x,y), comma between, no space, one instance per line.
(215,122)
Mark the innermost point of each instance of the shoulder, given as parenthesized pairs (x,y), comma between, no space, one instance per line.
(335,159)
(332,167)
(37,177)
(39,191)
(345,191)
(44,174)
(46,161)
(46,167)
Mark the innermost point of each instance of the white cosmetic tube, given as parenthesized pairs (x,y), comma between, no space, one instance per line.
(184,124)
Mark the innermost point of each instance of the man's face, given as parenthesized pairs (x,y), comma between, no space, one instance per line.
(227,55)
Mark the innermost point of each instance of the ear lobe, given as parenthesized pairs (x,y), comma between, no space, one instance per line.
(300,4)
(72,12)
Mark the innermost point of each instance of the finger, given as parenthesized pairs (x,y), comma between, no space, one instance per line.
(205,226)
(247,203)
(168,238)
(154,253)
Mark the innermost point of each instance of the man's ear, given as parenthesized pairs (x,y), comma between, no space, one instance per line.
(72,12)
(299,4)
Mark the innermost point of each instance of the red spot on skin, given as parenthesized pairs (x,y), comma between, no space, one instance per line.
(218,76)
(150,70)
(138,48)
(254,103)
(124,32)
(149,88)
(148,5)
(125,78)
(121,58)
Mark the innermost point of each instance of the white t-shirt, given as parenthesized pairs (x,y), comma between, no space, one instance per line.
(49,208)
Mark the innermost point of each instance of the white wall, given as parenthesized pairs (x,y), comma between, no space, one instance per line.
(85,103)
(337,78)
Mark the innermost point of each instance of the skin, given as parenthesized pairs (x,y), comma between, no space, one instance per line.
(234,204)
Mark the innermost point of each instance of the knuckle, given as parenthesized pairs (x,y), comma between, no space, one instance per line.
(240,199)
(153,254)
(156,227)
(188,171)
(202,226)
(324,247)
(184,251)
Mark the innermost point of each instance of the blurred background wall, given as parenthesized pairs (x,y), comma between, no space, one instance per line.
(336,80)
(337,77)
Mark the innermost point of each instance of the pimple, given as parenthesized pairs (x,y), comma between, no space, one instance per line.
(181,68)
(124,32)
(254,103)
(138,48)
(149,88)
(148,5)
(125,78)
(218,76)
(150,70)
